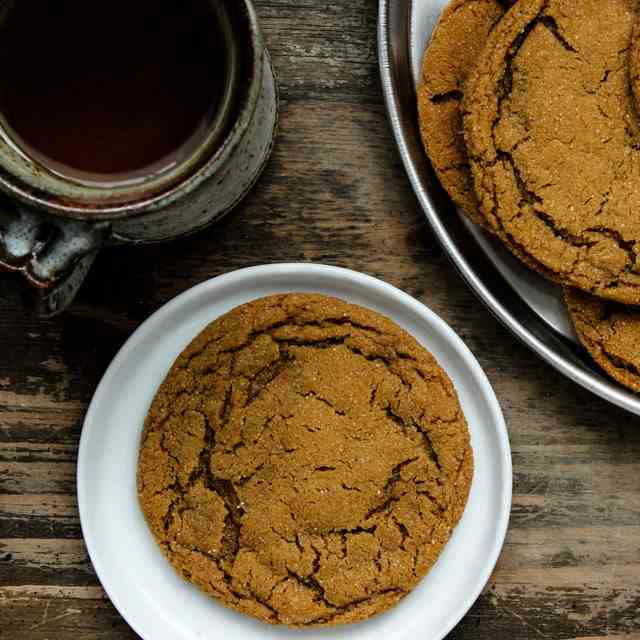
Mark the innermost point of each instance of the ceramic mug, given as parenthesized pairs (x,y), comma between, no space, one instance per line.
(51,227)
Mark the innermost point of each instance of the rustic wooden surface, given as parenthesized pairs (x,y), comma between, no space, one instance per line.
(334,192)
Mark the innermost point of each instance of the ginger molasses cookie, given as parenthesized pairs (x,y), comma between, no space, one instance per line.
(611,334)
(552,138)
(305,461)
(454,48)
(452,52)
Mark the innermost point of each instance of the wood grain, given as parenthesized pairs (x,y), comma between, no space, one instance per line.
(334,192)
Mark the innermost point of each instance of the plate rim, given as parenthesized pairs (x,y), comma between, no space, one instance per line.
(470,362)
(468,258)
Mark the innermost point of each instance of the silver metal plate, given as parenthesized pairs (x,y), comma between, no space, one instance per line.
(529,306)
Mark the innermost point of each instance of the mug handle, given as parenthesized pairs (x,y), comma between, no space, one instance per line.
(49,256)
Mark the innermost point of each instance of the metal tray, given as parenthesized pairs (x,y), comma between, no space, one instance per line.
(529,306)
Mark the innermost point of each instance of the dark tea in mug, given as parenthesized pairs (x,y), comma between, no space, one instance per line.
(110,89)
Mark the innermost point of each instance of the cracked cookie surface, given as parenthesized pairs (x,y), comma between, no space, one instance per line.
(304,461)
(634,64)
(453,49)
(611,334)
(552,138)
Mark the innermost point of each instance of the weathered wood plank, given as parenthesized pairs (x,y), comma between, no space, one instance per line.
(42,592)
(36,452)
(61,618)
(551,510)
(30,426)
(39,516)
(41,400)
(18,478)
(571,547)
(524,611)
(329,49)
(45,562)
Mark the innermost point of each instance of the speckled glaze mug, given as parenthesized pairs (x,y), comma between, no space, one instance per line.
(52,226)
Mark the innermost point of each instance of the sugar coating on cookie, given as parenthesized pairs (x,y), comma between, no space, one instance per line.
(552,137)
(453,50)
(304,461)
(611,334)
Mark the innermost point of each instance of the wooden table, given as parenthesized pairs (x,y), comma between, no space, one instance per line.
(334,192)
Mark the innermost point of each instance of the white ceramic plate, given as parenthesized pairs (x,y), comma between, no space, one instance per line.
(157,603)
(544,297)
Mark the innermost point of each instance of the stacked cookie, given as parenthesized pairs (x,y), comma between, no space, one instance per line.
(527,113)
